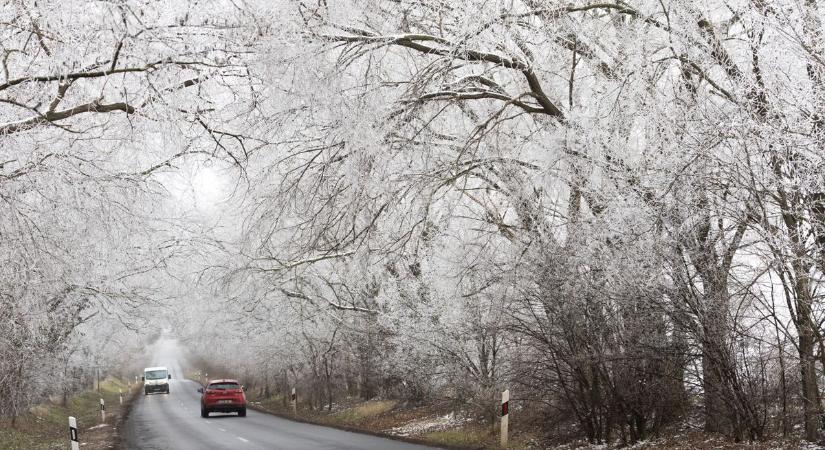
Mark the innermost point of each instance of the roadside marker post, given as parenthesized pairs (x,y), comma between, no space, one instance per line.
(73,433)
(102,410)
(294,400)
(120,394)
(505,416)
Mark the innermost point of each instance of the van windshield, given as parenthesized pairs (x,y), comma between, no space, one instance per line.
(155,374)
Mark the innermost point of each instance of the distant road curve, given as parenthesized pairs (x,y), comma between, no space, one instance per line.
(173,422)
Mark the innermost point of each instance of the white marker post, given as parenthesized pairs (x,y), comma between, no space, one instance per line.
(120,393)
(505,416)
(294,400)
(102,410)
(136,377)
(73,433)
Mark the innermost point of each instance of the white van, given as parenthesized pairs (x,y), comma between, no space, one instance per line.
(156,379)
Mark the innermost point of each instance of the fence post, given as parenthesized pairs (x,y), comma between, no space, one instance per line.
(294,400)
(505,416)
(73,433)
(102,410)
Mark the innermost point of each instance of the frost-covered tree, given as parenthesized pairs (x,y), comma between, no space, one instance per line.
(96,99)
(612,158)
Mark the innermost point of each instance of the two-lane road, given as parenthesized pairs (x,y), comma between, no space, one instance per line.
(173,422)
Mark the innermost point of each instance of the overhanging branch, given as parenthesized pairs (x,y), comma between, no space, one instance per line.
(54,116)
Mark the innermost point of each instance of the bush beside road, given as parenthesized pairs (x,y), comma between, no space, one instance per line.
(450,424)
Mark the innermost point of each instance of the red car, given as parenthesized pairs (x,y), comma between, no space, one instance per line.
(223,396)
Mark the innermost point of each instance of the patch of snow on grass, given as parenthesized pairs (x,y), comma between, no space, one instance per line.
(429,424)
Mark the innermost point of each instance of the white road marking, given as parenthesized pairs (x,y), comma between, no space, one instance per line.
(242,439)
(221,429)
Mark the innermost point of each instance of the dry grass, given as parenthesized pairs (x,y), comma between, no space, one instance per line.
(471,437)
(366,410)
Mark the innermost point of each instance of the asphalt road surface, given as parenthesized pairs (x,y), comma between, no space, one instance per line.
(173,422)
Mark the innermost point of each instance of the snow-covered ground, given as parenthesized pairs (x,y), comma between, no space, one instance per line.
(429,424)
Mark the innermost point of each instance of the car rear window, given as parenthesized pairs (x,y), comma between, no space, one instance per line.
(223,386)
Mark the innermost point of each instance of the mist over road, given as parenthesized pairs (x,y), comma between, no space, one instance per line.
(173,422)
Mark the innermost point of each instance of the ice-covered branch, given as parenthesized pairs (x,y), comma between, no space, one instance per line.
(444,47)
(55,116)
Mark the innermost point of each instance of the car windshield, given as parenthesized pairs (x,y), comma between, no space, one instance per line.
(223,386)
(155,374)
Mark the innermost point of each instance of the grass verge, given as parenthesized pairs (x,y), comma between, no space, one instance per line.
(46,426)
(386,417)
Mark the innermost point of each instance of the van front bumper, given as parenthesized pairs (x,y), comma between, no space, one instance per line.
(156,388)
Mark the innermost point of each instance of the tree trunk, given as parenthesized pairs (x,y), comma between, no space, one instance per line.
(715,357)
(810,390)
(717,410)
(807,360)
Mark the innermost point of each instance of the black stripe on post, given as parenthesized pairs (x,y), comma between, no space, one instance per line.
(73,434)
(505,408)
